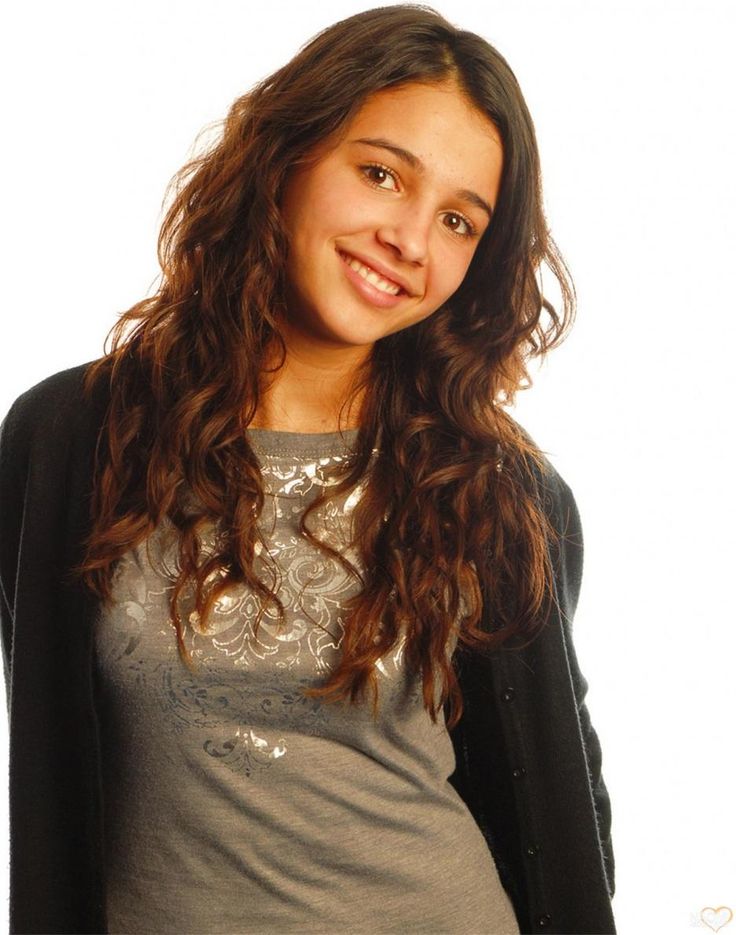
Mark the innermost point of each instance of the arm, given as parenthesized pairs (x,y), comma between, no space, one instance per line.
(11,514)
(567,559)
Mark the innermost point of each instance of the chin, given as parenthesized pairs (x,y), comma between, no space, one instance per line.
(356,327)
(352,337)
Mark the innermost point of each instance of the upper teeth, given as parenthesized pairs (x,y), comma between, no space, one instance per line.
(385,285)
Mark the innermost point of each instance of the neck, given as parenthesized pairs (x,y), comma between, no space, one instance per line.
(307,393)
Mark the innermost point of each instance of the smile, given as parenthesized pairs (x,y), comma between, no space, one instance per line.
(376,280)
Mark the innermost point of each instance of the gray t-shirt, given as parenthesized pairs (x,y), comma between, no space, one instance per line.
(233,804)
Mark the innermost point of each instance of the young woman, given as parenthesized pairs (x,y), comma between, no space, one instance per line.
(286,592)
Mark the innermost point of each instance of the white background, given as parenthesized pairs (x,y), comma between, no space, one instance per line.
(633,104)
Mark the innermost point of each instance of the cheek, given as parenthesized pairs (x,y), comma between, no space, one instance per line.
(448,271)
(328,206)
(326,220)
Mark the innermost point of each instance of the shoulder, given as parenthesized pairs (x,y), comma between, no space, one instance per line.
(565,530)
(59,393)
(545,482)
(53,410)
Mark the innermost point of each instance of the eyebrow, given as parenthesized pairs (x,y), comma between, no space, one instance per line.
(416,163)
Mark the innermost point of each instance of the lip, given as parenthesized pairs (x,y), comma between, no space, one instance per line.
(366,290)
(379,268)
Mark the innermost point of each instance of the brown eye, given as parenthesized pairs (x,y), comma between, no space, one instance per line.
(378,175)
(459,225)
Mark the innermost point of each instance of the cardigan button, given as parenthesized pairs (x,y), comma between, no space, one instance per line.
(544,920)
(519,772)
(507,694)
(532,850)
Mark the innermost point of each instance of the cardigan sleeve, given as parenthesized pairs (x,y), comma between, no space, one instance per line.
(11,520)
(567,559)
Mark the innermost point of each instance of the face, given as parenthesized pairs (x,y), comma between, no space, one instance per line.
(384,224)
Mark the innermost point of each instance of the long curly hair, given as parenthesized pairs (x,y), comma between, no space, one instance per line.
(449,525)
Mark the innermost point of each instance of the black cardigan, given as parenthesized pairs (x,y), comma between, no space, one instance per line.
(528,759)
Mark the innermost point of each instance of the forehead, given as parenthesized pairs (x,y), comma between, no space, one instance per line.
(437,123)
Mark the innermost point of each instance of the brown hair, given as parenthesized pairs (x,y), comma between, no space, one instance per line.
(449,517)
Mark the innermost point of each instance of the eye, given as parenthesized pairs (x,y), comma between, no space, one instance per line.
(460,225)
(377,175)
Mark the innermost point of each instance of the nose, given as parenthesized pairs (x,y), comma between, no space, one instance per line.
(406,234)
